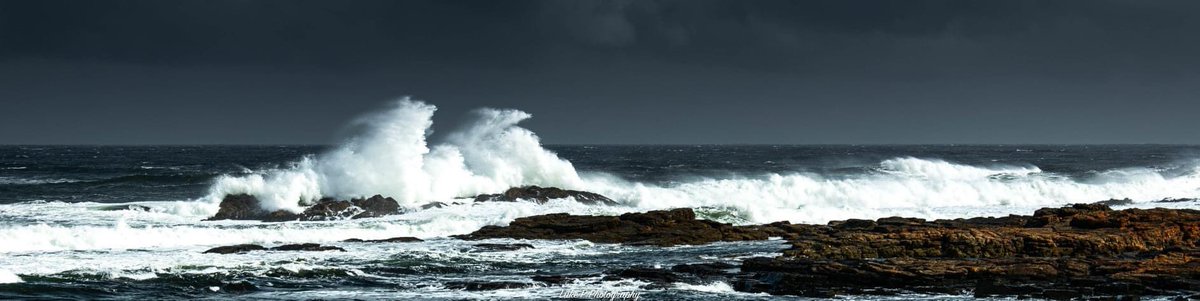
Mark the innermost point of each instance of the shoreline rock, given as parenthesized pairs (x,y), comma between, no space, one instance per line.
(386,240)
(541,195)
(657,228)
(248,207)
(1083,250)
(1077,251)
(243,248)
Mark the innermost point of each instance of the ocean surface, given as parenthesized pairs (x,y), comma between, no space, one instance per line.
(67,230)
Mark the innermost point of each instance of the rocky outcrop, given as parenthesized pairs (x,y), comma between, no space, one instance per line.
(1078,251)
(307,247)
(243,248)
(247,207)
(498,247)
(385,240)
(1075,251)
(544,194)
(235,249)
(660,228)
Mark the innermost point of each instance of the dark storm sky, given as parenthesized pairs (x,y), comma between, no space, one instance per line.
(293,72)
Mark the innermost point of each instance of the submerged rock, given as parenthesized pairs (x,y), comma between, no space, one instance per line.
(130,207)
(243,248)
(235,249)
(247,207)
(393,239)
(660,228)
(307,247)
(499,247)
(544,194)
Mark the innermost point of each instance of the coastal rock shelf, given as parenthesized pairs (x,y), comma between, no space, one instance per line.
(1084,250)
(1077,251)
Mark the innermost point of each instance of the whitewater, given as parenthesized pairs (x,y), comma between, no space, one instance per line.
(394,158)
(132,216)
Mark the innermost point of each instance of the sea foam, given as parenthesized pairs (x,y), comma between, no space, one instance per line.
(392,157)
(9,277)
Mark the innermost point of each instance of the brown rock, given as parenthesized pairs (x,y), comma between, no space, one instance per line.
(661,228)
(1058,253)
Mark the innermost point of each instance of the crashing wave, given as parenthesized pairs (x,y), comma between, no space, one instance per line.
(392,157)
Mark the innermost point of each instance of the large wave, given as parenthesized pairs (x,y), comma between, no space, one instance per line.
(392,157)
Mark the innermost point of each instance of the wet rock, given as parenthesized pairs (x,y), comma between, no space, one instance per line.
(235,249)
(1057,253)
(385,240)
(1115,202)
(376,206)
(659,228)
(433,205)
(307,247)
(486,285)
(247,207)
(544,194)
(130,207)
(330,209)
(1176,200)
(499,247)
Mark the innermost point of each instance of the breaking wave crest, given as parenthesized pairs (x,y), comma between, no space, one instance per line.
(392,157)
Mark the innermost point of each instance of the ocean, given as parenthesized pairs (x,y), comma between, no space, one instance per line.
(72,224)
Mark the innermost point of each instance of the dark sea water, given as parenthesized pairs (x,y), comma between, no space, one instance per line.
(66,232)
(117,174)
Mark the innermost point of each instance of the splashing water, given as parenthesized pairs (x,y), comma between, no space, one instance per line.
(392,157)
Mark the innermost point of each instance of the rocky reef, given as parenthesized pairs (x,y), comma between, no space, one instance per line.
(1084,250)
(1079,251)
(544,194)
(248,207)
(243,248)
(1076,251)
(659,228)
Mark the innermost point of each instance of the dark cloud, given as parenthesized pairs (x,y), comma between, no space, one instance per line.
(699,71)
